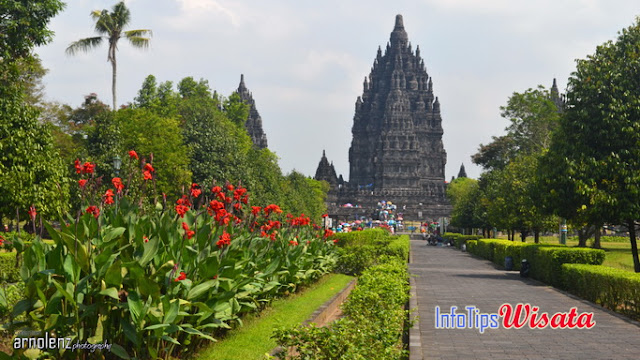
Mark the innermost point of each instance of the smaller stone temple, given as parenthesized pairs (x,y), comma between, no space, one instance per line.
(254,121)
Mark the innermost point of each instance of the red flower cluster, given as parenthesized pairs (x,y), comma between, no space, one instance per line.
(133,155)
(225,239)
(32,213)
(195,191)
(300,221)
(221,215)
(272,208)
(255,210)
(108,197)
(183,205)
(188,232)
(148,171)
(86,168)
(82,183)
(145,238)
(328,233)
(240,194)
(182,276)
(93,210)
(293,242)
(117,183)
(2,240)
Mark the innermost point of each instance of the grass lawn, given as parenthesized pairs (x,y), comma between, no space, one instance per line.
(253,340)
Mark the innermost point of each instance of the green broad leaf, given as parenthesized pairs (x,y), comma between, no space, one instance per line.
(130,332)
(55,236)
(193,331)
(113,276)
(200,289)
(110,292)
(120,352)
(71,269)
(64,292)
(170,339)
(156,326)
(98,337)
(112,233)
(135,306)
(171,313)
(150,250)
(78,250)
(51,321)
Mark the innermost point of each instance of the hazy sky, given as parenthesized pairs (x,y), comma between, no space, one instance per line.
(305,61)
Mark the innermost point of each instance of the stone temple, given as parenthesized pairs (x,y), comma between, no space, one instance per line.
(396,153)
(254,121)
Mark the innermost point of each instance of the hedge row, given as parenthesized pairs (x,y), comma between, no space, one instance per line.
(374,320)
(9,272)
(615,289)
(372,327)
(546,260)
(460,239)
(361,249)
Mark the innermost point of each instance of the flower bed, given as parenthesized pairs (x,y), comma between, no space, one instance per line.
(156,280)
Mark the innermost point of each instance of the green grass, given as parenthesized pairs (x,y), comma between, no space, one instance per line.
(253,340)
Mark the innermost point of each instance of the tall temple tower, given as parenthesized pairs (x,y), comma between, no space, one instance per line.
(397,127)
(254,121)
(397,153)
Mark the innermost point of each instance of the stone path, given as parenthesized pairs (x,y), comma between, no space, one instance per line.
(447,277)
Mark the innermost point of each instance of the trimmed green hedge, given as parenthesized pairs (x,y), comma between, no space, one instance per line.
(9,272)
(460,239)
(359,250)
(615,289)
(472,246)
(546,260)
(373,324)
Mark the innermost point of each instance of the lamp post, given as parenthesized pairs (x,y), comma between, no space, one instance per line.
(116,164)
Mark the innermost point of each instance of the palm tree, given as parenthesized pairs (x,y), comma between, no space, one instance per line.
(110,27)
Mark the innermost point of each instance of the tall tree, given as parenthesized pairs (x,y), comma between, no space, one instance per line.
(110,26)
(598,143)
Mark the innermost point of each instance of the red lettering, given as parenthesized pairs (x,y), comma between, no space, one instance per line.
(511,318)
(585,320)
(559,320)
(573,312)
(542,322)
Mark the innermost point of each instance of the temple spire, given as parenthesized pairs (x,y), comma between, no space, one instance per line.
(462,173)
(399,37)
(399,23)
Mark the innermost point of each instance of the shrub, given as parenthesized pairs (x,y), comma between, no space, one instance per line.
(546,265)
(10,295)
(9,272)
(615,289)
(459,239)
(361,249)
(472,247)
(373,324)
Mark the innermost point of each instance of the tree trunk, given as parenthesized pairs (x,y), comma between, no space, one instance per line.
(523,235)
(536,236)
(634,245)
(113,77)
(596,235)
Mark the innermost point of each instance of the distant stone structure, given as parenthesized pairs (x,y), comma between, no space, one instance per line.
(254,121)
(556,97)
(396,153)
(462,173)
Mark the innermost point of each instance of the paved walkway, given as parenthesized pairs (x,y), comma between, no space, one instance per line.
(447,277)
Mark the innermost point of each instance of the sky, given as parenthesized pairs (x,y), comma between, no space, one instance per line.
(305,61)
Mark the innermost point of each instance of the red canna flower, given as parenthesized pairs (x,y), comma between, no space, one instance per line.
(2,240)
(293,242)
(335,241)
(255,210)
(77,165)
(88,168)
(216,189)
(181,210)
(117,183)
(133,155)
(148,167)
(225,239)
(273,236)
(230,187)
(237,206)
(328,233)
(183,276)
(32,213)
(195,192)
(108,197)
(272,208)
(82,183)
(325,215)
(93,210)
(147,175)
(188,232)
(145,238)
